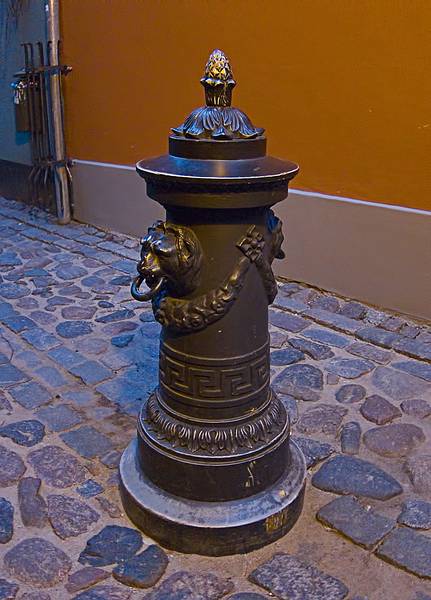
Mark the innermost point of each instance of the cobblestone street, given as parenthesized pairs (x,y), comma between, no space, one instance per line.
(77,358)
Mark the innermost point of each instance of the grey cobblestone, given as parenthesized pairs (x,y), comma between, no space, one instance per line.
(410,331)
(350,393)
(353,310)
(192,585)
(289,578)
(335,320)
(286,321)
(414,348)
(370,352)
(91,372)
(398,385)
(362,525)
(40,339)
(409,550)
(37,562)
(289,303)
(349,368)
(414,367)
(313,349)
(59,418)
(326,336)
(32,505)
(84,578)
(30,395)
(350,438)
(378,336)
(87,441)
(352,475)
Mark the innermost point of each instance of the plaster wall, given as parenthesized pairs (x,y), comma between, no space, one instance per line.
(342,87)
(30,27)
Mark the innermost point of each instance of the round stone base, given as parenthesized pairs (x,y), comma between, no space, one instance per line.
(212,528)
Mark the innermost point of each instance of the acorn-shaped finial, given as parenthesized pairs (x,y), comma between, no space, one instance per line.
(218,80)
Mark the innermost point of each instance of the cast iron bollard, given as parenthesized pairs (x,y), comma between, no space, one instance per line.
(213,469)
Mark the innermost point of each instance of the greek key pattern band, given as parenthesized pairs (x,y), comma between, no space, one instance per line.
(211,379)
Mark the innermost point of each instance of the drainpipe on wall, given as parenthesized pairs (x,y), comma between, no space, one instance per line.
(62,176)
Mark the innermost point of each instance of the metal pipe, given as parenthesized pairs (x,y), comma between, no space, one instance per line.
(61,179)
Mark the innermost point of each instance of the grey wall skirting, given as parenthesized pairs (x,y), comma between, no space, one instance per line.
(112,197)
(380,254)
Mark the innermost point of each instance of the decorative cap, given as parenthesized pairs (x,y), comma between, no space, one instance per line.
(218,120)
(218,80)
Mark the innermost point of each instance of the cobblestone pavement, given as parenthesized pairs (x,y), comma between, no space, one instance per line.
(77,356)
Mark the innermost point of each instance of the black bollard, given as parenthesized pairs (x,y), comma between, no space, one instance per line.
(213,469)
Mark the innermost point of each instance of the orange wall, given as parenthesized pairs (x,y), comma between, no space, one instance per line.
(342,86)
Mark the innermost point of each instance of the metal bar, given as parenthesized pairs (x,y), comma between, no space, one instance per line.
(28,49)
(42,87)
(30,116)
(44,115)
(35,86)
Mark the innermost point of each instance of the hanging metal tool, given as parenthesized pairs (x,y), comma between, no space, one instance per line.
(39,109)
(20,102)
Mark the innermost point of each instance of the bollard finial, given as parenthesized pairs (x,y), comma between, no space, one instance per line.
(218,80)
(218,120)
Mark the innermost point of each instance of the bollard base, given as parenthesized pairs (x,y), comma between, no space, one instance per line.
(212,528)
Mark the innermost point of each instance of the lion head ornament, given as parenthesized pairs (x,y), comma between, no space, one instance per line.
(277,238)
(171,258)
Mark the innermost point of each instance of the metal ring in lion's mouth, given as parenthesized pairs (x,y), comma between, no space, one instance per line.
(150,293)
